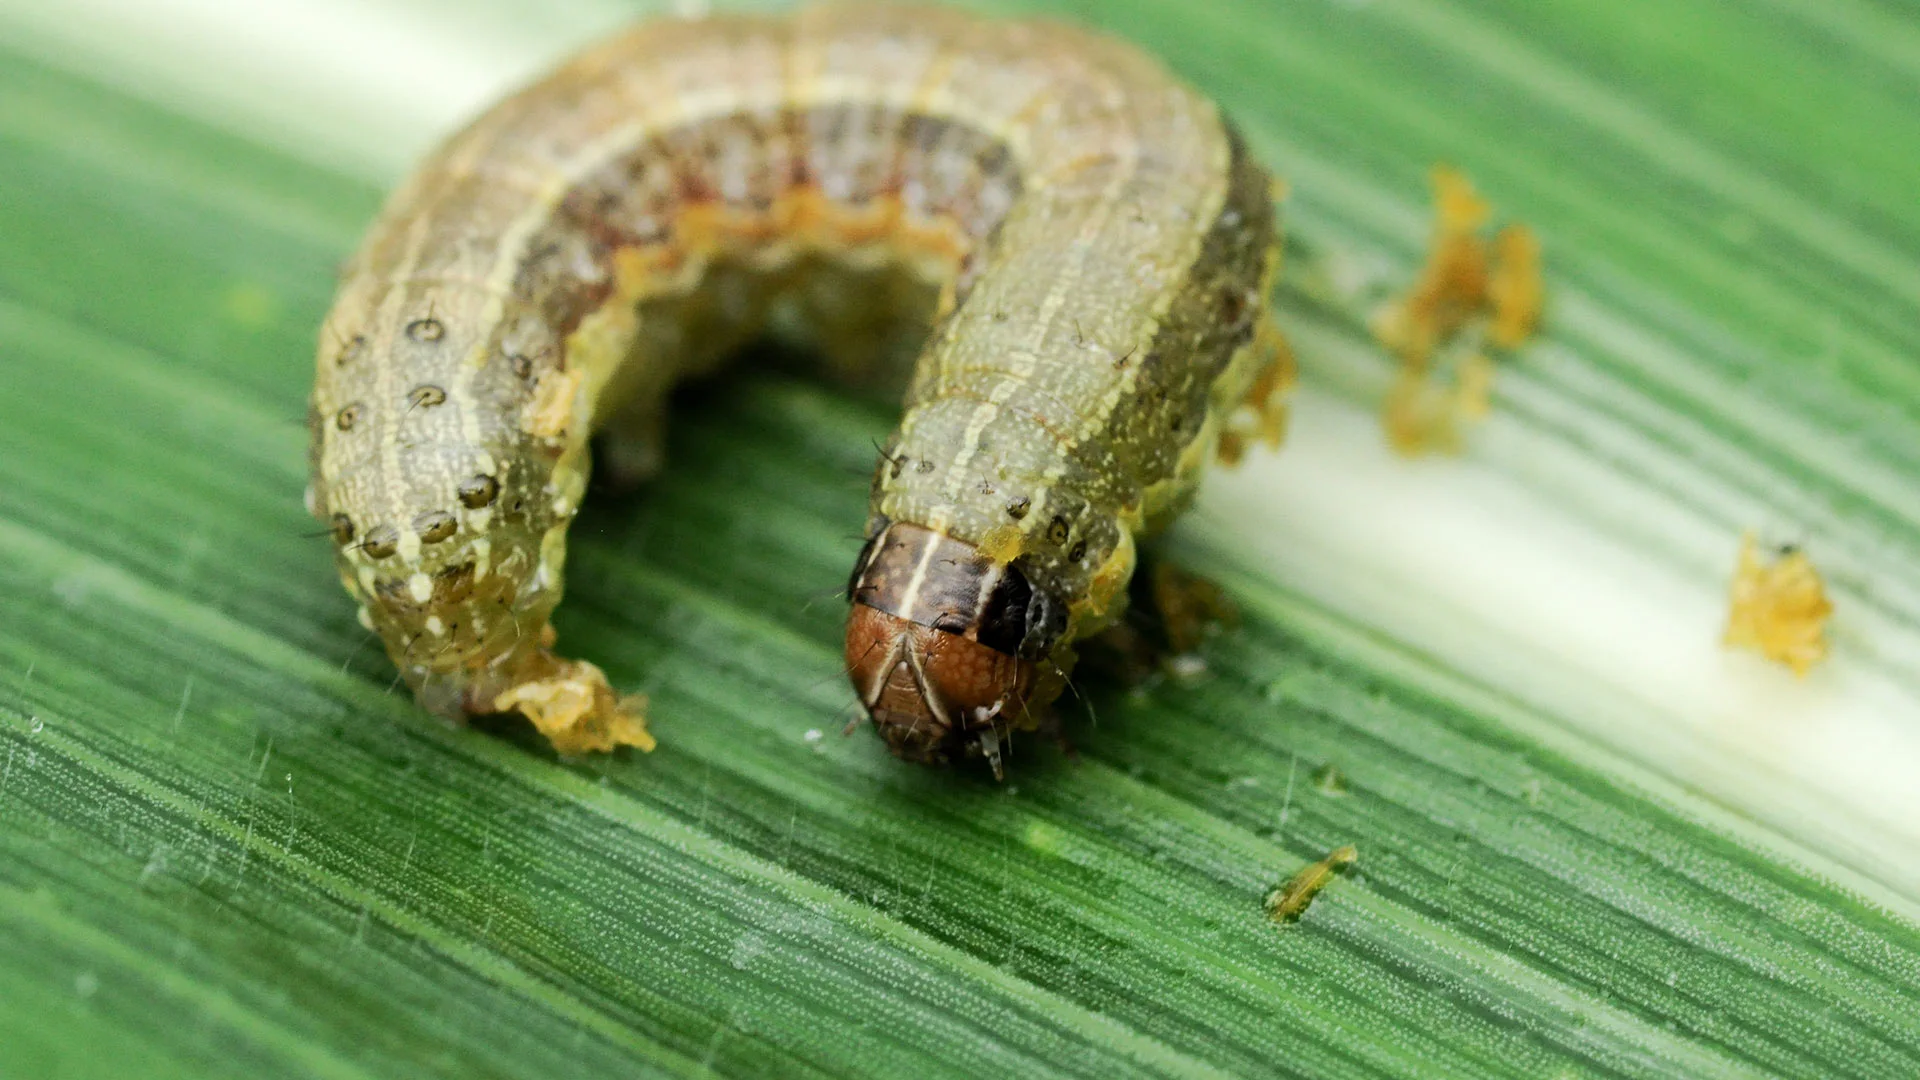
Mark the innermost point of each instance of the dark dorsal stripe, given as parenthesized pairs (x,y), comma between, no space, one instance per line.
(939,169)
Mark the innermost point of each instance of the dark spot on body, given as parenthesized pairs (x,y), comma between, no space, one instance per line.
(522,365)
(1234,303)
(924,465)
(354,348)
(986,487)
(435,526)
(343,530)
(1017,509)
(426,396)
(394,593)
(479,491)
(347,417)
(1058,530)
(453,584)
(426,330)
(382,541)
(1079,552)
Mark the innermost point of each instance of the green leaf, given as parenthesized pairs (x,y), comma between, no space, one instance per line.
(1590,843)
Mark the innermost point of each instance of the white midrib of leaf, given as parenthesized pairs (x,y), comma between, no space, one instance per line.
(1575,569)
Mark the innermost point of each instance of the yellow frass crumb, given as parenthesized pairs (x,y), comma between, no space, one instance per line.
(1514,289)
(1778,608)
(1424,415)
(1262,415)
(550,410)
(1471,296)
(1290,901)
(1190,607)
(571,703)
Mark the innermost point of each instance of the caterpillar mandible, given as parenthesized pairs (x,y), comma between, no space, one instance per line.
(1098,243)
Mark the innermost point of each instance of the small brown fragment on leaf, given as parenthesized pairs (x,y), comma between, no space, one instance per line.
(1290,901)
(1189,606)
(1778,608)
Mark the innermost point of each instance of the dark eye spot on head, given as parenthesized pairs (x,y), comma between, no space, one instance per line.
(522,365)
(427,330)
(1079,551)
(1017,509)
(426,396)
(347,417)
(899,464)
(342,526)
(478,491)
(1058,530)
(381,541)
(435,526)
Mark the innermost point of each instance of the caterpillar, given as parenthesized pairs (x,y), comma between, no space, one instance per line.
(1093,245)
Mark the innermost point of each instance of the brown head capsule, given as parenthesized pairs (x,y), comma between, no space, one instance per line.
(943,644)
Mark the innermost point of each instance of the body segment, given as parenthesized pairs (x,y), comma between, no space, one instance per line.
(1098,242)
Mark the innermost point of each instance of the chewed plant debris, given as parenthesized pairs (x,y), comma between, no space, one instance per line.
(1476,299)
(1778,606)
(1290,901)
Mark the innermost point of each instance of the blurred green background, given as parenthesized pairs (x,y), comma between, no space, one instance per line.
(1591,843)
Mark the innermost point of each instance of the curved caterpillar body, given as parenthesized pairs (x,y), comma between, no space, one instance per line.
(1101,247)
